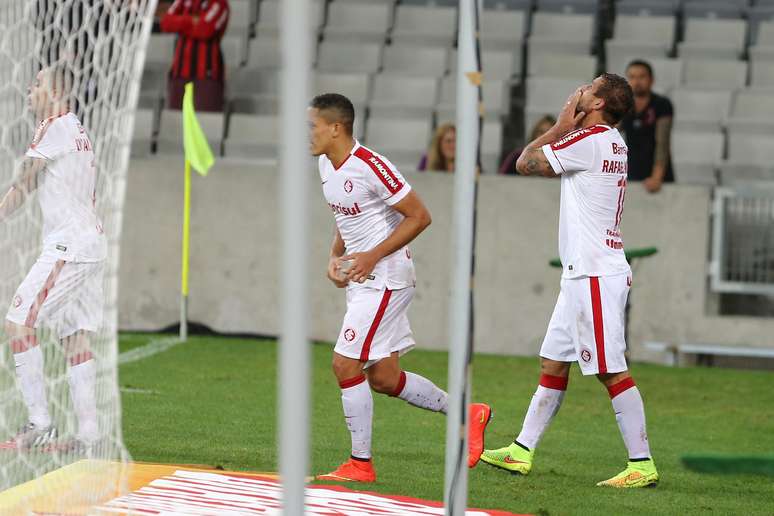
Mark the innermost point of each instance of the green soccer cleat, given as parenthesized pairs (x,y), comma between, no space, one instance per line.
(512,458)
(637,474)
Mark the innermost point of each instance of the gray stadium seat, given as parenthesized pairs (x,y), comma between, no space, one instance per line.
(252,137)
(667,72)
(356,87)
(545,96)
(153,88)
(762,74)
(425,25)
(700,110)
(503,29)
(347,58)
(160,51)
(568,6)
(728,74)
(713,39)
(346,21)
(749,148)
(403,97)
(496,64)
(643,35)
(491,146)
(268,17)
(695,156)
(253,90)
(763,47)
(170,137)
(647,7)
(496,96)
(264,52)
(402,141)
(144,132)
(713,9)
(580,68)
(233,50)
(576,31)
(752,111)
(409,60)
(240,18)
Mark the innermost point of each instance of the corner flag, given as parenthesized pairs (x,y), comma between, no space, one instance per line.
(197,150)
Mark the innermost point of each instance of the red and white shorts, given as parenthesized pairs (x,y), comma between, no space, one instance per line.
(64,296)
(588,324)
(376,324)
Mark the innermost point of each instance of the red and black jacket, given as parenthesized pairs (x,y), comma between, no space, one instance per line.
(197,49)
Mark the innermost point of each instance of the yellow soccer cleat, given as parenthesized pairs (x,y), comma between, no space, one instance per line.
(637,474)
(512,458)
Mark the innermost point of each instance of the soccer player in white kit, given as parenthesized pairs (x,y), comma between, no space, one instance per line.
(377,215)
(63,289)
(587,325)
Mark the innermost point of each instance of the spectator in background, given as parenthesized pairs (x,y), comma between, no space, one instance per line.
(508,166)
(648,130)
(440,155)
(200,25)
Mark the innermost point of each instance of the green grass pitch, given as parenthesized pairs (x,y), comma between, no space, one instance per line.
(213,401)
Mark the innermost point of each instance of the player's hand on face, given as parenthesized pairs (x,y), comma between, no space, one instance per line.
(568,119)
(362,265)
(335,274)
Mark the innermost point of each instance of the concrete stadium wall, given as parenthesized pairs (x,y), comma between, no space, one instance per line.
(235,260)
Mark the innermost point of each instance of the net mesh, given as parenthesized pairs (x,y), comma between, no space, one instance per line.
(101,45)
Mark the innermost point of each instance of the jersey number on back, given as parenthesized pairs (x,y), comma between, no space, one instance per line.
(621,197)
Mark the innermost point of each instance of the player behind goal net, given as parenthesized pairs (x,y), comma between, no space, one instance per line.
(69,80)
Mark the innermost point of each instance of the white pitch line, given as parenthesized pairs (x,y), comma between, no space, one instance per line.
(153,347)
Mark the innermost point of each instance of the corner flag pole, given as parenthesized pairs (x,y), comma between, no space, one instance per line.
(185,257)
(463,221)
(294,176)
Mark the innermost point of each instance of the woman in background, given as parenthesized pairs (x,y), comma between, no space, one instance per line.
(440,155)
(541,126)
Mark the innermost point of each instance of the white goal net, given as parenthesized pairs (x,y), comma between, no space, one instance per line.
(60,414)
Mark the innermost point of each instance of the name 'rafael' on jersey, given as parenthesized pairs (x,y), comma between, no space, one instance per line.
(72,230)
(592,165)
(361,193)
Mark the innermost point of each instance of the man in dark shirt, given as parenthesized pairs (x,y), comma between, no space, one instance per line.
(647,130)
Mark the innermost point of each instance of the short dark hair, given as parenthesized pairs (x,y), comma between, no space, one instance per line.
(337,105)
(618,97)
(642,63)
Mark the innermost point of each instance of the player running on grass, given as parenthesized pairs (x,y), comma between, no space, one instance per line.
(587,325)
(377,214)
(63,289)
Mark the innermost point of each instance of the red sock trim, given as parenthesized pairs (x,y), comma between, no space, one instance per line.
(351,382)
(618,388)
(554,382)
(22,344)
(80,358)
(401,385)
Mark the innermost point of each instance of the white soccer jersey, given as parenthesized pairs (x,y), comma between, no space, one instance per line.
(592,164)
(72,230)
(361,193)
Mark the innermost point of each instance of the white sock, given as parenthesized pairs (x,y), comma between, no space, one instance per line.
(82,379)
(421,392)
(542,409)
(630,415)
(358,412)
(32,384)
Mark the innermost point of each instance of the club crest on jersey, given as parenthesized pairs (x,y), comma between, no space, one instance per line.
(586,355)
(348,186)
(349,335)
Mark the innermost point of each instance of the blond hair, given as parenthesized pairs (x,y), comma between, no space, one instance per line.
(435,158)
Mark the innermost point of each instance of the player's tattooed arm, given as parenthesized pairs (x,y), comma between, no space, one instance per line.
(26,182)
(533,162)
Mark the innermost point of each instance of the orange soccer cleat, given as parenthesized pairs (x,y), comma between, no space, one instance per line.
(352,471)
(479,415)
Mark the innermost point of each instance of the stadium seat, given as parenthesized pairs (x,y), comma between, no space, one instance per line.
(647,7)
(252,136)
(580,68)
(728,74)
(749,148)
(762,48)
(347,58)
(253,90)
(403,97)
(346,21)
(160,51)
(496,64)
(491,146)
(416,60)
(144,131)
(268,17)
(402,141)
(153,88)
(700,110)
(713,39)
(496,96)
(752,111)
(233,50)
(522,5)
(567,6)
(642,35)
(762,74)
(576,31)
(170,136)
(264,52)
(695,156)
(240,19)
(714,9)
(545,96)
(427,25)
(503,29)
(667,73)
(356,87)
